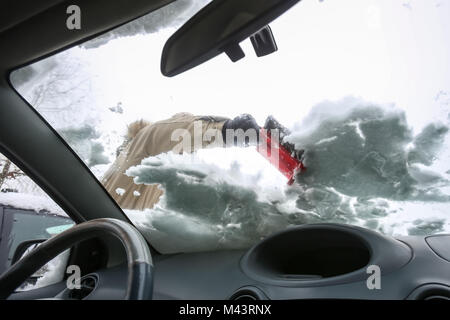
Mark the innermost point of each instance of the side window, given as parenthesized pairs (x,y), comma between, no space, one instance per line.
(28,214)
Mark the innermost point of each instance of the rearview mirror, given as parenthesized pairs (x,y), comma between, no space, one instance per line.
(220,27)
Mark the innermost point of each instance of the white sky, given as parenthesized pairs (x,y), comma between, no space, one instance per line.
(384,51)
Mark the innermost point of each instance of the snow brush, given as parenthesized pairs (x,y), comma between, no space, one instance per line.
(282,155)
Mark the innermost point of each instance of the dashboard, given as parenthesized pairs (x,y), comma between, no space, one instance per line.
(323,261)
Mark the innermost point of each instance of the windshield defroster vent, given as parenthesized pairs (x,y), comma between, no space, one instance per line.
(248,293)
(431,292)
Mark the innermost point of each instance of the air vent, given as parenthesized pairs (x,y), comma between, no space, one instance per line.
(431,292)
(438,293)
(87,285)
(248,294)
(245,297)
(438,297)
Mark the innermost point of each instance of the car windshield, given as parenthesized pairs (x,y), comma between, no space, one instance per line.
(363,87)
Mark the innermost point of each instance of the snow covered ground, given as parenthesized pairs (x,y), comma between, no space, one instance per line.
(25,193)
(26,201)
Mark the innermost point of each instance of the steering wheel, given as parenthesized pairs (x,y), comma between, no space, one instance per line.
(140,266)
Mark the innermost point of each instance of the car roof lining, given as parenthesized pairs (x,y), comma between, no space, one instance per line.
(14,12)
(44,32)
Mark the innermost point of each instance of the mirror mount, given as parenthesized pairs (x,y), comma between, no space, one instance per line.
(264,42)
(234,52)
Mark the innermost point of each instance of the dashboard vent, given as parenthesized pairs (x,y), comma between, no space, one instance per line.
(438,293)
(248,294)
(87,285)
(437,297)
(244,296)
(431,292)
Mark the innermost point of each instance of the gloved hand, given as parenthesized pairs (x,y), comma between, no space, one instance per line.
(248,126)
(273,124)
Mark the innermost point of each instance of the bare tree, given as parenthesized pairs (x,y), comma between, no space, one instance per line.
(8,172)
(5,170)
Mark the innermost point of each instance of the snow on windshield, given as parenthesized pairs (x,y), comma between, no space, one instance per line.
(364,88)
(364,166)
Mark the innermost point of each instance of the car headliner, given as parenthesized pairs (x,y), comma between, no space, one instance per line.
(30,31)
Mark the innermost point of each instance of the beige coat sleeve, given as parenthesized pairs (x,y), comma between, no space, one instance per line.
(163,136)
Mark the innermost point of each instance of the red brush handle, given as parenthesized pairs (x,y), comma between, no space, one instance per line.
(285,163)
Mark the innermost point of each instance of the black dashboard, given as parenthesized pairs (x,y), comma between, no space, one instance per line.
(324,261)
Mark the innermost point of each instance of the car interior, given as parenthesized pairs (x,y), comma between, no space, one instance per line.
(311,261)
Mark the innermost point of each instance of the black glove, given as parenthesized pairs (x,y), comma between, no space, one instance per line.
(244,122)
